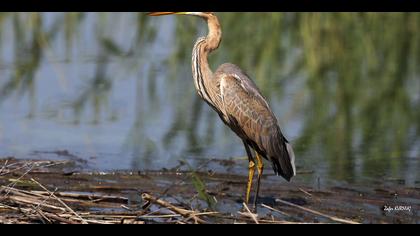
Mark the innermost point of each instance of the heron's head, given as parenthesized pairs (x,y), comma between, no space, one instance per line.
(205,15)
(215,33)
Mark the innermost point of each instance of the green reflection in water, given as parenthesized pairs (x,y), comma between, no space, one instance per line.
(356,76)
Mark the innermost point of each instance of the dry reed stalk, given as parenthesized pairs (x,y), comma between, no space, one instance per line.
(183,212)
(60,201)
(333,218)
(250,214)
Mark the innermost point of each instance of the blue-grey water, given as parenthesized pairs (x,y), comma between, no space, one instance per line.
(115,89)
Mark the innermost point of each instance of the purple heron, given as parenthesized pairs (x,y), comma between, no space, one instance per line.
(240,105)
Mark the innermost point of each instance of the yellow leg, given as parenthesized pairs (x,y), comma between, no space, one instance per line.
(251,171)
(250,178)
(260,168)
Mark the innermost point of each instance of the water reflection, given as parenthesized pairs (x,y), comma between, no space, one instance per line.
(118,87)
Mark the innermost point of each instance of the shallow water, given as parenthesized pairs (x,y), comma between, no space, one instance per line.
(115,90)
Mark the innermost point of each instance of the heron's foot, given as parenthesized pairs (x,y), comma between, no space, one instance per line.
(248,208)
(254,206)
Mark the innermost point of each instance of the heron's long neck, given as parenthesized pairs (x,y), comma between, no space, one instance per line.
(202,73)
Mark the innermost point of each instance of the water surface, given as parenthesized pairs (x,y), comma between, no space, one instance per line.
(115,89)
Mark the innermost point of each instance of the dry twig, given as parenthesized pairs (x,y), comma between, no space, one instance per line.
(169,206)
(60,201)
(333,218)
(250,214)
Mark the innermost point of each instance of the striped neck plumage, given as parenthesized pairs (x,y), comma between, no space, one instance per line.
(200,66)
(200,69)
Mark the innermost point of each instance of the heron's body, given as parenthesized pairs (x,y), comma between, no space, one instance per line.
(240,105)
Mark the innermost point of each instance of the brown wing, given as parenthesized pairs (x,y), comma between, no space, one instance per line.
(247,113)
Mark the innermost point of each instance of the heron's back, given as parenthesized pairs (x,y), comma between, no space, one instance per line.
(248,114)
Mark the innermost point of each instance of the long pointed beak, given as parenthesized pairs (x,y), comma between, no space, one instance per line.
(165,13)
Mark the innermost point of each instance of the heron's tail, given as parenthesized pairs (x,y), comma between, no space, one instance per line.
(283,159)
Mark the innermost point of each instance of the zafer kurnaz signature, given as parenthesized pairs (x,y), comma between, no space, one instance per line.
(397,208)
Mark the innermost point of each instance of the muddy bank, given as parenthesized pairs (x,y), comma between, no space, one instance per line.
(38,191)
